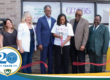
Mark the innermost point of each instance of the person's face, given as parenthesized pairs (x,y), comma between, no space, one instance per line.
(48,11)
(28,18)
(78,15)
(8,24)
(97,21)
(62,20)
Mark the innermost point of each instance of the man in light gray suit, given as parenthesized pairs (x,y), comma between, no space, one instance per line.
(78,42)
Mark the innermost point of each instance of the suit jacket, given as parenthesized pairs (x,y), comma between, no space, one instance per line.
(101,39)
(81,33)
(44,35)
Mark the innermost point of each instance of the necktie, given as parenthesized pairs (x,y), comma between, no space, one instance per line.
(94,28)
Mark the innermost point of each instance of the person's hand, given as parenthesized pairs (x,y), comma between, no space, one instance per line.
(35,50)
(21,50)
(61,37)
(62,45)
(104,53)
(82,48)
(40,48)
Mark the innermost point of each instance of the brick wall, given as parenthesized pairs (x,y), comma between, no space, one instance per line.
(11,9)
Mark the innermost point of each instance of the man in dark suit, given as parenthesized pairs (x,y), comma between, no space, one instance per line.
(78,42)
(45,39)
(97,44)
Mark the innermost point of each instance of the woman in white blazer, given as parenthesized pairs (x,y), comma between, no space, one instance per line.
(26,40)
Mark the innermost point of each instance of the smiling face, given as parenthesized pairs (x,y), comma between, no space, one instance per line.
(48,11)
(97,21)
(8,24)
(62,20)
(28,18)
(78,15)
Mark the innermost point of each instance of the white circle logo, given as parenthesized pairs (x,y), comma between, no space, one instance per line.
(10,61)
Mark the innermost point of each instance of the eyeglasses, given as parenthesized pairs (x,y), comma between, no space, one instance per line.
(48,10)
(78,15)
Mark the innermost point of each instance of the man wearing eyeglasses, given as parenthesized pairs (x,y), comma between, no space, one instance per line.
(97,44)
(45,39)
(78,42)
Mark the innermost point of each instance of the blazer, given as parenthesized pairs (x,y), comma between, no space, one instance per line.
(44,35)
(24,36)
(101,39)
(81,33)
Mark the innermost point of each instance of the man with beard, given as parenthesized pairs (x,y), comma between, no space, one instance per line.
(78,42)
(97,44)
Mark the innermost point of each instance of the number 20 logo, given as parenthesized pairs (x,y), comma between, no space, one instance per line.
(10,58)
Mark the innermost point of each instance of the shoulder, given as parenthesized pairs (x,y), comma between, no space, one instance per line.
(55,24)
(53,19)
(103,26)
(68,24)
(41,18)
(15,30)
(91,27)
(21,24)
(72,20)
(85,20)
(2,30)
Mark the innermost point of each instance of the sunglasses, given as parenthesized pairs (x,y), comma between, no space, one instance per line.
(78,15)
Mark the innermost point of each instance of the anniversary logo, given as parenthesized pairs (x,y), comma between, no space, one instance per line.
(10,61)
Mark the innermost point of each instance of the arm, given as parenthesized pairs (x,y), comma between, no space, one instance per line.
(55,35)
(70,33)
(1,40)
(54,30)
(19,35)
(17,42)
(38,32)
(85,37)
(106,40)
(67,39)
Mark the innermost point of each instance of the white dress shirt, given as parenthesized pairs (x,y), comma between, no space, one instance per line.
(49,21)
(96,27)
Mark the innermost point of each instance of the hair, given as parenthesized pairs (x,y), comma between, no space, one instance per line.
(4,24)
(58,19)
(80,10)
(24,17)
(99,16)
(46,7)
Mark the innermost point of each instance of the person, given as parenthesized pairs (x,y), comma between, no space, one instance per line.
(78,42)
(97,44)
(45,39)
(62,58)
(26,40)
(8,35)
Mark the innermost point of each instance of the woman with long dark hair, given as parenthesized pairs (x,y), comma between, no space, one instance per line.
(62,31)
(8,35)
